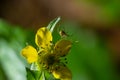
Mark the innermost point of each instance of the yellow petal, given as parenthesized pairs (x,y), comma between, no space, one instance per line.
(62,73)
(62,47)
(30,54)
(43,37)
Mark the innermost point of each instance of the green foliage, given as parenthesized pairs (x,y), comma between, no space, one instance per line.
(11,42)
(33,75)
(38,75)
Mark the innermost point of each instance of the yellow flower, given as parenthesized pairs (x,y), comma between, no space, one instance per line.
(30,54)
(48,55)
(62,47)
(43,38)
(62,72)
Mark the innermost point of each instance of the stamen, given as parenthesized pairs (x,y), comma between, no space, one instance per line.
(56,69)
(42,48)
(39,54)
(60,51)
(47,67)
(46,44)
(50,41)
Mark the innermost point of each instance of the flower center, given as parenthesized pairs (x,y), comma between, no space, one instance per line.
(48,61)
(51,59)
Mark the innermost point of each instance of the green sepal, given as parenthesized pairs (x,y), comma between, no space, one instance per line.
(42,76)
(53,23)
(33,75)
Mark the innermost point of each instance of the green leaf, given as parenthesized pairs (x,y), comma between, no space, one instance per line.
(33,75)
(53,23)
(42,76)
(11,64)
